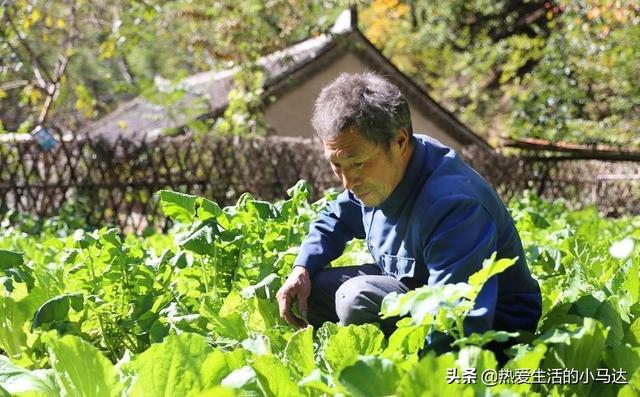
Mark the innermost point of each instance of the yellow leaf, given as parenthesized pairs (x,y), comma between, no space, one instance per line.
(48,21)
(107,49)
(35,16)
(3,94)
(122,124)
(80,104)
(34,96)
(60,23)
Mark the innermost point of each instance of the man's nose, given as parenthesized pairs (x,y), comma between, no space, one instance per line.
(348,180)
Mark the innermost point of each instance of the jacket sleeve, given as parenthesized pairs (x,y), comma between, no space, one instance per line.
(339,223)
(461,234)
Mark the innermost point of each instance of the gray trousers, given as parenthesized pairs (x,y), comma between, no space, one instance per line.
(352,295)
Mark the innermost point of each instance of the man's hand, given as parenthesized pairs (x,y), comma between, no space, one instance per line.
(296,289)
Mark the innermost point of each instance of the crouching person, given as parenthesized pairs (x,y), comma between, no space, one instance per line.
(428,219)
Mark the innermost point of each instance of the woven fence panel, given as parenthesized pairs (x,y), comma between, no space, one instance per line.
(614,187)
(115,183)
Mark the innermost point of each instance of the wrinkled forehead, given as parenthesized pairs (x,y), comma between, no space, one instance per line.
(347,145)
(339,155)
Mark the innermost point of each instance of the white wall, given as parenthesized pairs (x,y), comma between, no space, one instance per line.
(290,114)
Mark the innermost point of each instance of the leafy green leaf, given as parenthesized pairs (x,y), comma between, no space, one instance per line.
(265,289)
(207,209)
(57,309)
(274,378)
(633,333)
(16,380)
(322,382)
(490,267)
(263,209)
(428,305)
(527,357)
(484,338)
(371,376)
(181,260)
(429,379)
(574,346)
(631,285)
(84,239)
(12,264)
(623,356)
(343,345)
(632,389)
(9,259)
(239,377)
(605,312)
(301,190)
(178,206)
(299,351)
(181,364)
(476,357)
(407,339)
(200,238)
(80,368)
(110,236)
(12,323)
(257,343)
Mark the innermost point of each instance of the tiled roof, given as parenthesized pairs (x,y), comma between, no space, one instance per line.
(206,93)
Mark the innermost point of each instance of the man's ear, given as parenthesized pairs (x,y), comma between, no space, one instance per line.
(403,140)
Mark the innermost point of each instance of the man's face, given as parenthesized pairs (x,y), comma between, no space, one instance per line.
(369,170)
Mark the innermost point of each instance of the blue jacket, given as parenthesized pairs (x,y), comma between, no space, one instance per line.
(439,224)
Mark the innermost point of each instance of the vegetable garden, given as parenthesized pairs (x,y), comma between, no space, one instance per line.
(192,312)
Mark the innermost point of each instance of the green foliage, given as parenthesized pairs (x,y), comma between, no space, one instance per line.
(192,312)
(559,70)
(443,308)
(114,50)
(194,366)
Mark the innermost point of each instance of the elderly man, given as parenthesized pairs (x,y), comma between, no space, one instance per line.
(428,219)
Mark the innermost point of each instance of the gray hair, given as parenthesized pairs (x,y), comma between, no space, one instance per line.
(366,101)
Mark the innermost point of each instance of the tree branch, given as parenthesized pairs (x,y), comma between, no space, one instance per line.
(125,69)
(61,65)
(122,62)
(41,68)
(14,84)
(41,85)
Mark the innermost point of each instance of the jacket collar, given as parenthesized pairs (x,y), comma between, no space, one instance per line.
(410,182)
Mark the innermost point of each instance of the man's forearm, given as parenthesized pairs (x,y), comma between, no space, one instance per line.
(338,224)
